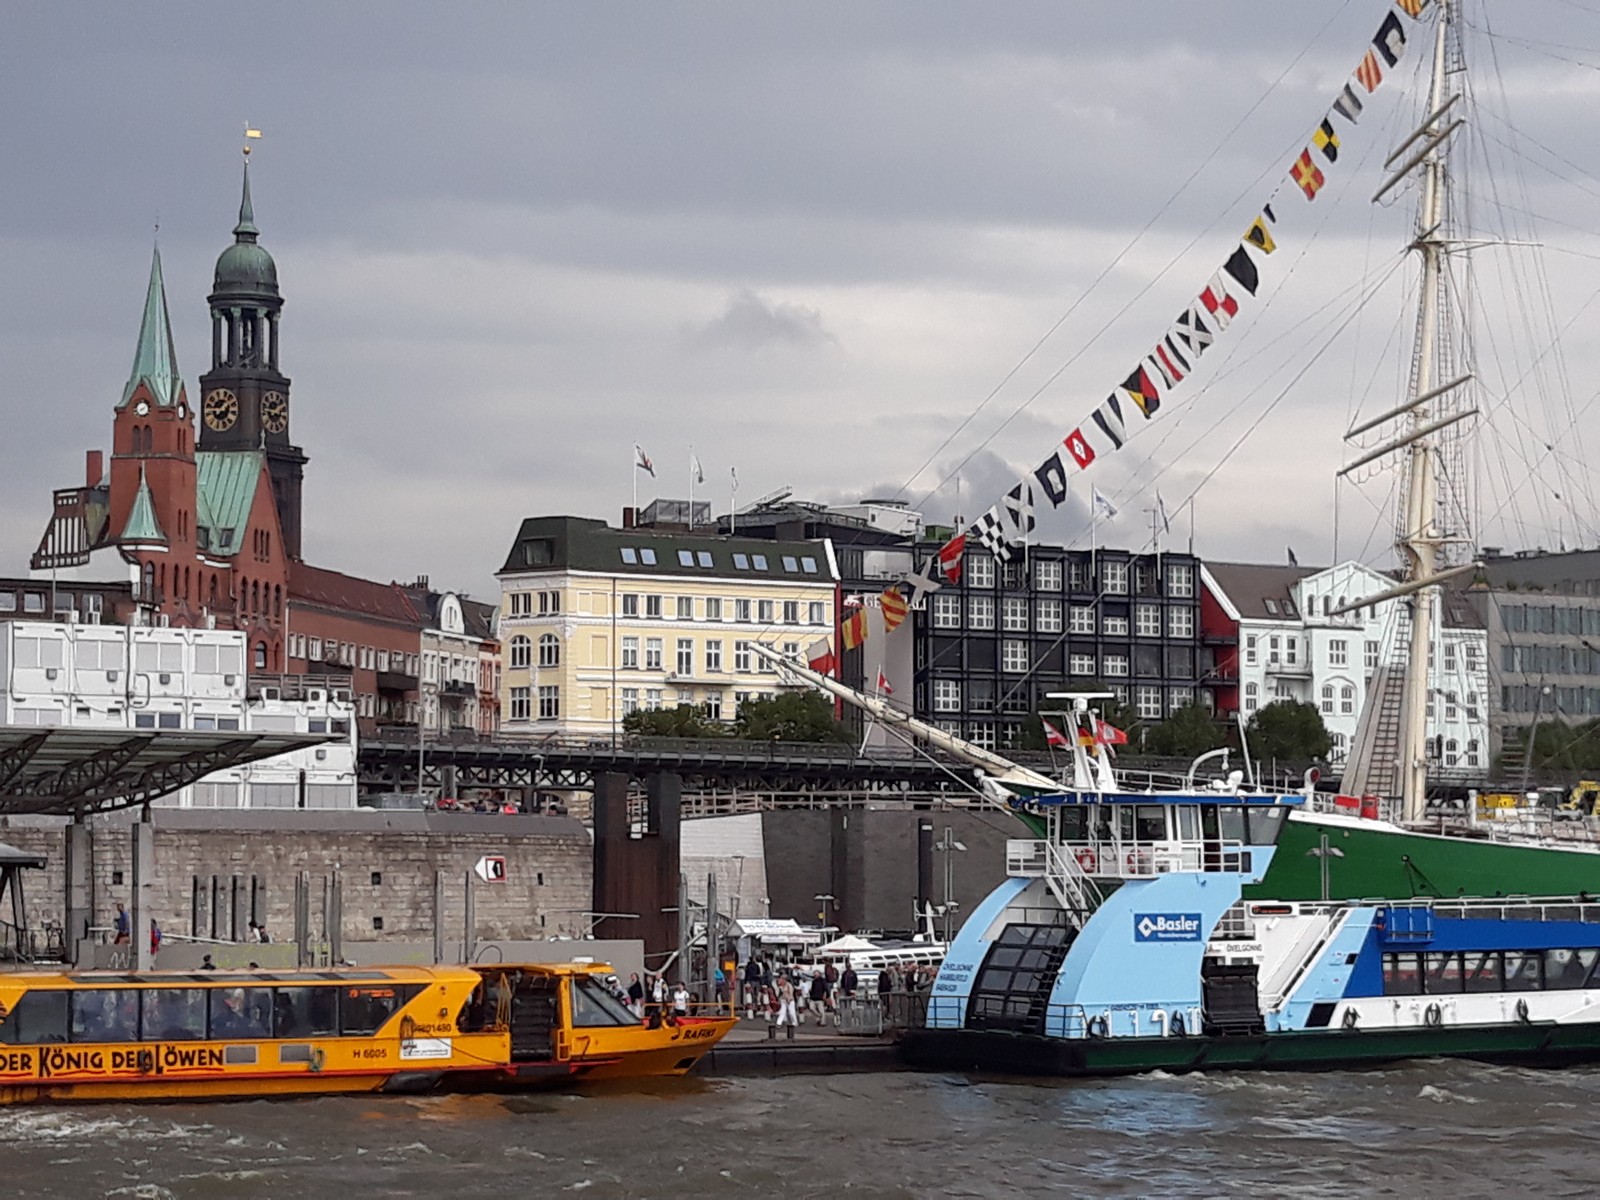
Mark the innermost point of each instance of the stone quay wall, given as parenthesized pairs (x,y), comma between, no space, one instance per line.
(384,862)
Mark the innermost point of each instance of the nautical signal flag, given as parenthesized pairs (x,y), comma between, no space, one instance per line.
(819,657)
(1326,140)
(1307,175)
(950,557)
(895,607)
(883,683)
(1369,74)
(1348,105)
(1142,391)
(853,631)
(1259,236)
(1052,735)
(1052,477)
(1412,8)
(1078,446)
(1391,39)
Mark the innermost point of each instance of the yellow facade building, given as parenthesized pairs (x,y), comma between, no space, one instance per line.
(597,622)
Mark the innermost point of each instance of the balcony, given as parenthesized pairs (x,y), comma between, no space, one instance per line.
(1288,670)
(396,681)
(459,688)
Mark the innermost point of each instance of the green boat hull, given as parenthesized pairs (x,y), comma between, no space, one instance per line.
(1380,862)
(1384,862)
(1024,1054)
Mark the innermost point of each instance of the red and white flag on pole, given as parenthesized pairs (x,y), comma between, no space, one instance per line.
(950,557)
(641,461)
(819,656)
(1108,734)
(1052,735)
(883,683)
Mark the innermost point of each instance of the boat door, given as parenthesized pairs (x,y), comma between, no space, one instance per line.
(535,1017)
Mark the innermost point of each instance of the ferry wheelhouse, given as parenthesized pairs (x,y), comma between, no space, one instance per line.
(1122,942)
(95,1035)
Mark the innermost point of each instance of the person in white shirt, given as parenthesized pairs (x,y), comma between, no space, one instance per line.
(680,1000)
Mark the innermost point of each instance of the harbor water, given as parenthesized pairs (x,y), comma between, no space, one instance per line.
(1453,1129)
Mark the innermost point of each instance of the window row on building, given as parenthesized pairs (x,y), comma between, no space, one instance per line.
(349,654)
(1017,614)
(1573,620)
(1116,576)
(1563,703)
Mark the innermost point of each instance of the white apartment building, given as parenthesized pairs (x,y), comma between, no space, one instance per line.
(91,676)
(1291,646)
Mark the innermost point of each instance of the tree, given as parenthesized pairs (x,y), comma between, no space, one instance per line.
(1187,733)
(1290,730)
(790,717)
(685,721)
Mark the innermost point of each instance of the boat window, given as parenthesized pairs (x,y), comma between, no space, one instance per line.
(1523,970)
(1125,822)
(37,1018)
(305,1012)
(1188,822)
(1150,822)
(1265,822)
(238,1012)
(363,1010)
(1402,975)
(105,1015)
(1441,973)
(1565,969)
(1074,823)
(174,1015)
(592,1005)
(1482,971)
(1208,821)
(1232,818)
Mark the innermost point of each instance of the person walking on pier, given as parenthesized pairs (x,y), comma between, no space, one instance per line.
(122,926)
(787,1015)
(817,998)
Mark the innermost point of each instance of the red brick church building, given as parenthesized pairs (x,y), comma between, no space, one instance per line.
(200,504)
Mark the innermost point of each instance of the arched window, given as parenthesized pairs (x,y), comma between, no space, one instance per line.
(521,652)
(213,589)
(1451,749)
(1327,697)
(255,597)
(148,574)
(277,602)
(549,651)
(1347,699)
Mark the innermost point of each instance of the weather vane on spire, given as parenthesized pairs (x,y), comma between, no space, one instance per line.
(248,135)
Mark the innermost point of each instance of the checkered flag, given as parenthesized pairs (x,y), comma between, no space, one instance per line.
(992,530)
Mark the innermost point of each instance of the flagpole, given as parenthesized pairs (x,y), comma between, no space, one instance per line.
(691,489)
(635,474)
(1191,521)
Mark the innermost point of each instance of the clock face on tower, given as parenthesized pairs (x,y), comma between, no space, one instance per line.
(274,412)
(221,409)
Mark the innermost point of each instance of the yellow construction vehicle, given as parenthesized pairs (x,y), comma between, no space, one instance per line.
(1583,798)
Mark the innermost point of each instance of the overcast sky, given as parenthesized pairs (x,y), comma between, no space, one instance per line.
(809,240)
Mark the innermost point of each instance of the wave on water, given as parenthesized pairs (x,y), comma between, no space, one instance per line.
(65,1125)
(1441,1095)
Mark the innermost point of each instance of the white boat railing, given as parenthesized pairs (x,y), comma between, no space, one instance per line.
(1038,859)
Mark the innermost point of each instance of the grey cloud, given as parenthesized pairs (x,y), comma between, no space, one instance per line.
(752,322)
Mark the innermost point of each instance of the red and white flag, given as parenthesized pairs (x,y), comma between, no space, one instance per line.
(1052,735)
(950,557)
(883,683)
(819,656)
(1108,734)
(641,461)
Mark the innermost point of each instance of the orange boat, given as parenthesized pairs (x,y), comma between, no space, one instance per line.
(96,1035)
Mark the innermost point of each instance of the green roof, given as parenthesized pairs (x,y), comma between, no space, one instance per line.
(245,267)
(142,525)
(155,362)
(225,483)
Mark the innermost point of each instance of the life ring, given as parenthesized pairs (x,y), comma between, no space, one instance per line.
(1098,1027)
(1352,1018)
(1088,860)
(1179,1028)
(1522,1012)
(1137,860)
(1433,1017)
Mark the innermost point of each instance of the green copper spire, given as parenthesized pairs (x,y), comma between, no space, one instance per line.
(142,525)
(245,230)
(155,362)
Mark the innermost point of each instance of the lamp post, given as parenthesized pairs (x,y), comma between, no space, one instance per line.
(945,845)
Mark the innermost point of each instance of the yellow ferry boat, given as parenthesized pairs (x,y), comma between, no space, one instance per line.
(155,1035)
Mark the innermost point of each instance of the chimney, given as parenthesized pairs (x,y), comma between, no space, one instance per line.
(93,469)
(630,516)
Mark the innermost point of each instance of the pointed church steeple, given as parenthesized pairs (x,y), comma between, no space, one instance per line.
(142,527)
(246,229)
(155,362)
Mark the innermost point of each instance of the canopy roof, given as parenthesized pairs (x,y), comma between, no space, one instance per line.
(848,944)
(767,929)
(66,771)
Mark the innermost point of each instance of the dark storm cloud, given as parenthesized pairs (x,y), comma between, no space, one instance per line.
(807,239)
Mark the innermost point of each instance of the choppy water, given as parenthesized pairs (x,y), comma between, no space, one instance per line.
(1433,1129)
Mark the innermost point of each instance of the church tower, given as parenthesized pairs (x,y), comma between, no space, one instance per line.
(244,397)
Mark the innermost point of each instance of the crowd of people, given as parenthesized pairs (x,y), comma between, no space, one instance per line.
(789,993)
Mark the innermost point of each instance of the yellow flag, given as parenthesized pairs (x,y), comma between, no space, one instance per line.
(1258,235)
